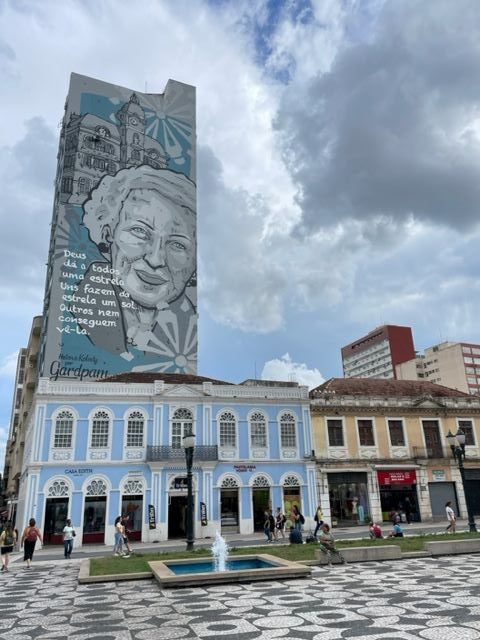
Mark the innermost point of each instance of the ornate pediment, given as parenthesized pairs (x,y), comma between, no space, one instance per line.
(429,402)
(183,391)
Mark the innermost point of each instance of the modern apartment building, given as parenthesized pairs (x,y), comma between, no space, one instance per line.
(378,353)
(381,445)
(25,381)
(452,364)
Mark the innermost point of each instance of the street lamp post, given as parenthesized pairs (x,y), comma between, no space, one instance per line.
(457,445)
(189,444)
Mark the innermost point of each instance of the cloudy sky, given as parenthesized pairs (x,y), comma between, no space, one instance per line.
(338,165)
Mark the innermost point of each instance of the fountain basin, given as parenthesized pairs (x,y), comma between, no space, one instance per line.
(201,571)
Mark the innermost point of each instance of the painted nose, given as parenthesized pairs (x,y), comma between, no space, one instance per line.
(155,256)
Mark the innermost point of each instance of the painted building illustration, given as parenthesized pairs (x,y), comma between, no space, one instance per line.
(121,277)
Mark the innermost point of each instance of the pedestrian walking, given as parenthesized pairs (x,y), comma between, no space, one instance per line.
(318,519)
(118,546)
(7,542)
(327,544)
(29,539)
(298,518)
(68,536)
(280,521)
(452,519)
(126,541)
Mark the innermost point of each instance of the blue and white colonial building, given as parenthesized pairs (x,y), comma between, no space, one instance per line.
(94,450)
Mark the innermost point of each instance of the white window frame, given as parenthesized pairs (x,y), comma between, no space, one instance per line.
(64,453)
(183,422)
(134,451)
(100,453)
(472,420)
(367,450)
(327,440)
(405,435)
(288,452)
(257,452)
(227,451)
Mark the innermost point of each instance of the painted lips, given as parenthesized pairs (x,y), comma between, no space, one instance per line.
(150,278)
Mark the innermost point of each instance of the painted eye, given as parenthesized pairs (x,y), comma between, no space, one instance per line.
(178,246)
(140,232)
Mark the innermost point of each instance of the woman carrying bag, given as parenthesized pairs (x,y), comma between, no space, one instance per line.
(29,539)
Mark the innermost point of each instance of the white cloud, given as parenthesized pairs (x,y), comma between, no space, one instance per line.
(8,365)
(287,370)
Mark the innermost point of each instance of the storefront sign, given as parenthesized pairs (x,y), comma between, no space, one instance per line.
(78,471)
(397,477)
(203,514)
(151,517)
(438,475)
(180,483)
(244,467)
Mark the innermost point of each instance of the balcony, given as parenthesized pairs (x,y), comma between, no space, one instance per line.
(163,453)
(428,452)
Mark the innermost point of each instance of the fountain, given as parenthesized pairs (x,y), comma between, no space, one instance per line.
(221,568)
(220,551)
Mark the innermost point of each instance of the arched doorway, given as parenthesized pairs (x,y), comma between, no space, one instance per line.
(229,505)
(260,501)
(95,512)
(56,511)
(291,497)
(132,507)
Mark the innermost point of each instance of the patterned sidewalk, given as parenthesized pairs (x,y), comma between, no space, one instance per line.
(435,599)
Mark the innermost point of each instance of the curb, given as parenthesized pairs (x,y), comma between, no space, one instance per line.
(84,576)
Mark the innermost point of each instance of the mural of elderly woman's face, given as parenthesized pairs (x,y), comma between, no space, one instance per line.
(153,248)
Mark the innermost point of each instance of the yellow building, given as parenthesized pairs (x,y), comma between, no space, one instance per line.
(380,445)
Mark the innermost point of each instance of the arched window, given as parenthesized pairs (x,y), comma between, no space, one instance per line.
(291,481)
(288,436)
(228,429)
(62,438)
(96,488)
(135,429)
(83,185)
(229,483)
(58,489)
(182,424)
(261,481)
(100,430)
(258,430)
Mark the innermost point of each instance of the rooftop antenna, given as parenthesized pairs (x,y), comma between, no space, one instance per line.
(146,85)
(255,370)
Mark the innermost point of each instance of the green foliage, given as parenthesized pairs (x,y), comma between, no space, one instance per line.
(138,562)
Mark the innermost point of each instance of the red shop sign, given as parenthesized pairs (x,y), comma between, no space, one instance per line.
(397,477)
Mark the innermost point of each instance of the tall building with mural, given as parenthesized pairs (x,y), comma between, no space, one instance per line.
(120,292)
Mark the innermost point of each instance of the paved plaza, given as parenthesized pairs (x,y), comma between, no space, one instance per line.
(420,598)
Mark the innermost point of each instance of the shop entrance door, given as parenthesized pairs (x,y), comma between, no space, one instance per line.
(132,506)
(261,502)
(229,510)
(56,512)
(177,517)
(440,494)
(94,520)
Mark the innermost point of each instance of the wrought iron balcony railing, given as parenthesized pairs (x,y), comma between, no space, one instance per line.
(428,452)
(201,452)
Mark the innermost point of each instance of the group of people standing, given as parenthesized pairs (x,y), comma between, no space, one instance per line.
(274,525)
(8,540)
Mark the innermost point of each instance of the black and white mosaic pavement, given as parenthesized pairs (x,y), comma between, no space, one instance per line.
(436,599)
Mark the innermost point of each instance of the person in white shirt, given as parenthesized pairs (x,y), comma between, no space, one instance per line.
(68,535)
(452,520)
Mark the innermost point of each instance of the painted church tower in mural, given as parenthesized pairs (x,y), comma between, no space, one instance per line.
(121,291)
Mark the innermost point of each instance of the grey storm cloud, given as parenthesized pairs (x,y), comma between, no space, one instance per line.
(392,131)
